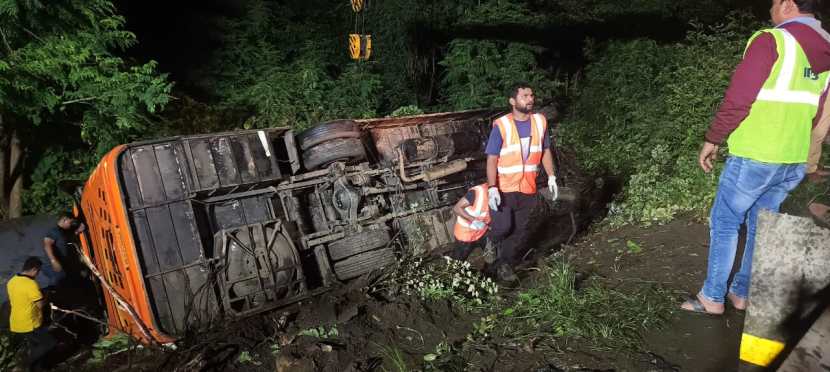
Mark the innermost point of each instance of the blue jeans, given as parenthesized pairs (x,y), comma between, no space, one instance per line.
(745,187)
(53,278)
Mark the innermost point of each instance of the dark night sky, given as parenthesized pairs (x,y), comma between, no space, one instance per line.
(179,34)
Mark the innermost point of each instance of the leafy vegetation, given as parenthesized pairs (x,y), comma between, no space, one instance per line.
(106,347)
(270,66)
(480,73)
(393,359)
(8,352)
(448,279)
(61,71)
(642,112)
(59,74)
(561,306)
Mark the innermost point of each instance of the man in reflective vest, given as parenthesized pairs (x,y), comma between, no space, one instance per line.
(770,107)
(518,143)
(472,220)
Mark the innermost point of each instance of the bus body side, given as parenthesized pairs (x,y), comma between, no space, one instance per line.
(110,246)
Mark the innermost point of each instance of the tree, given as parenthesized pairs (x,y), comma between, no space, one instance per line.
(58,68)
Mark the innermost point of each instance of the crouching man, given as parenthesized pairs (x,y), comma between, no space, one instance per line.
(471,222)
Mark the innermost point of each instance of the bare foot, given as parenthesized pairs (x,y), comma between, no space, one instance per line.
(739,303)
(816,177)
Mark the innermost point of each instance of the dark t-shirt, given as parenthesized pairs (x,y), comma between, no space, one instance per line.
(59,236)
(471,197)
(523,127)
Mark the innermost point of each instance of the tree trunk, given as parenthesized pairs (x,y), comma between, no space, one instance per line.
(15,180)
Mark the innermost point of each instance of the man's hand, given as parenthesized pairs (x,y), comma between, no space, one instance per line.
(478,225)
(80,229)
(56,266)
(553,187)
(493,198)
(708,154)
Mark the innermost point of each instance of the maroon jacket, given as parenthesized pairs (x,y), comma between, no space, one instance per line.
(753,71)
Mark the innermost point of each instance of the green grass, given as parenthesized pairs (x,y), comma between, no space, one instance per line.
(393,359)
(558,306)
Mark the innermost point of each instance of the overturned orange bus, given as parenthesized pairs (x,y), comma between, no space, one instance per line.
(189,230)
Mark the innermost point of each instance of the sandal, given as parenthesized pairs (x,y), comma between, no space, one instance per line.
(820,214)
(696,306)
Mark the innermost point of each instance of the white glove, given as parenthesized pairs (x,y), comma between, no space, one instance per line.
(552,187)
(493,198)
(478,225)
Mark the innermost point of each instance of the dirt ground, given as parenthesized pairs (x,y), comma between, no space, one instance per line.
(351,330)
(674,256)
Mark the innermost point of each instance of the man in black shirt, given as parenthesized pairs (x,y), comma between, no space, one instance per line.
(61,257)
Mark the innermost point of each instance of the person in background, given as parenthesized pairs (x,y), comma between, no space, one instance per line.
(768,112)
(26,317)
(61,257)
(518,144)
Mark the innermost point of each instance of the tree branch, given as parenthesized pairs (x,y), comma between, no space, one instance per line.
(79,100)
(32,34)
(120,302)
(5,41)
(80,314)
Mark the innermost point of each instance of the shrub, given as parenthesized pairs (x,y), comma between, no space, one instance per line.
(642,113)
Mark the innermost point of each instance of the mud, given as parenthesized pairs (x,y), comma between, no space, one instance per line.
(352,330)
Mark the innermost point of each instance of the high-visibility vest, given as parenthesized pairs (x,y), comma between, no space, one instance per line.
(777,129)
(480,210)
(515,174)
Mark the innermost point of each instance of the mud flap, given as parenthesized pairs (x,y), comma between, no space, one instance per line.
(789,270)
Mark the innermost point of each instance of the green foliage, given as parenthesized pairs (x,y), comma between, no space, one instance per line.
(246,357)
(642,112)
(447,280)
(561,307)
(393,357)
(409,110)
(43,196)
(633,247)
(57,66)
(109,346)
(8,352)
(480,73)
(607,10)
(320,332)
(270,65)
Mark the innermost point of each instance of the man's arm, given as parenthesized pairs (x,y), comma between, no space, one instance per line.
(747,80)
(746,83)
(547,162)
(459,211)
(49,247)
(492,170)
